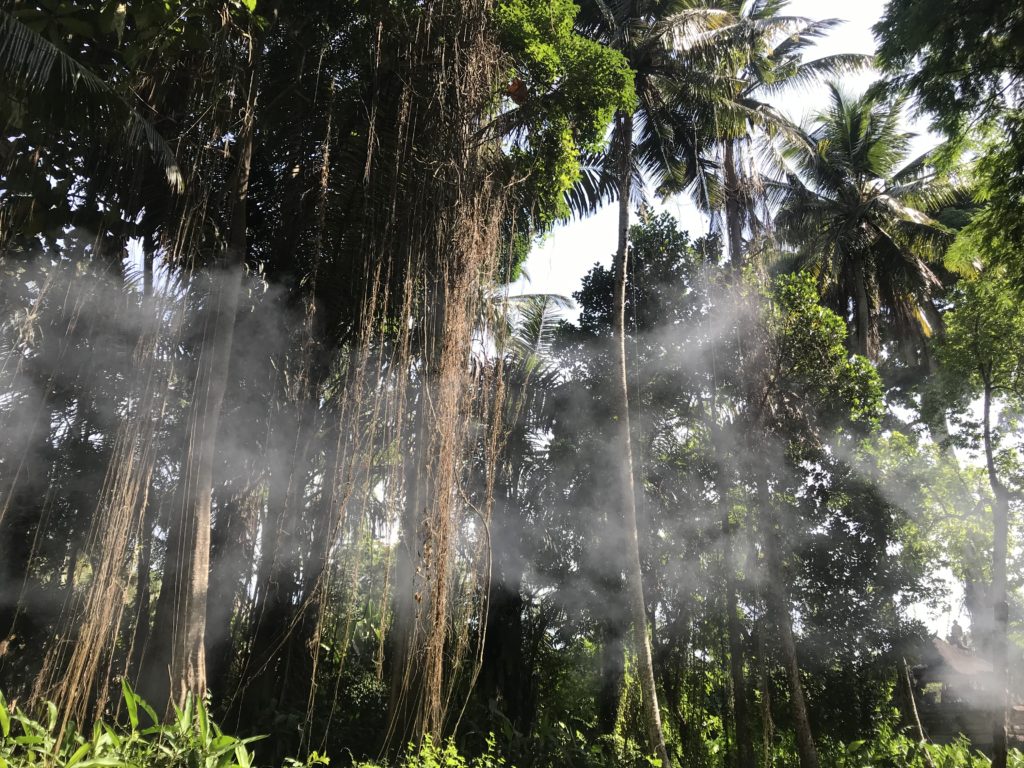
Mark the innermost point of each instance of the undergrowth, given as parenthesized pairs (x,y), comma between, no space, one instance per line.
(191,740)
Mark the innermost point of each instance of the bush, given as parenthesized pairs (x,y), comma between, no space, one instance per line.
(901,752)
(447,755)
(190,740)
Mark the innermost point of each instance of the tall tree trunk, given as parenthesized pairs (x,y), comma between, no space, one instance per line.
(22,496)
(143,592)
(733,206)
(407,597)
(503,679)
(778,604)
(187,572)
(744,736)
(1000,515)
(612,656)
(905,682)
(779,607)
(231,556)
(767,722)
(863,342)
(634,577)
(275,615)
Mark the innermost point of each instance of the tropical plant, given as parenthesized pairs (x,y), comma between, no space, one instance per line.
(981,356)
(757,66)
(857,218)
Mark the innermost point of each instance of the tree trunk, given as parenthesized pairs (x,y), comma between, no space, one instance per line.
(903,675)
(634,578)
(733,206)
(275,614)
(231,556)
(612,655)
(187,572)
(744,737)
(503,678)
(779,607)
(1000,515)
(863,343)
(767,722)
(143,591)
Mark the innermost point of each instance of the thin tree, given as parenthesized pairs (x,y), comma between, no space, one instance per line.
(676,50)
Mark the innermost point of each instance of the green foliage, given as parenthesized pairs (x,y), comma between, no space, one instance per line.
(431,754)
(814,358)
(856,213)
(984,337)
(189,740)
(995,234)
(983,347)
(961,58)
(964,61)
(897,751)
(571,88)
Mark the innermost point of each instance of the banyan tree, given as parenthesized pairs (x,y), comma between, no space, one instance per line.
(296,252)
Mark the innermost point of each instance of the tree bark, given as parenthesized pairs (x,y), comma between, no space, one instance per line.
(733,206)
(1000,515)
(741,715)
(903,674)
(502,676)
(778,604)
(863,344)
(634,578)
(187,572)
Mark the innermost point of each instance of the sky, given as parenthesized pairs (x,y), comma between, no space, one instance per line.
(558,263)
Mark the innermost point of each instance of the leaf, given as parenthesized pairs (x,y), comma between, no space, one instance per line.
(131,703)
(5,718)
(202,722)
(148,710)
(79,753)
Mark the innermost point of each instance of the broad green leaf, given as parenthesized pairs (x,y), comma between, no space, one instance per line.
(79,753)
(130,703)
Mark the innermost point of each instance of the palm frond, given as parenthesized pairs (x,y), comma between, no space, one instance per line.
(35,67)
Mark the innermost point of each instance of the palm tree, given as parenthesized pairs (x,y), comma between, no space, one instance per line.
(854,216)
(514,468)
(766,62)
(46,84)
(675,49)
(686,57)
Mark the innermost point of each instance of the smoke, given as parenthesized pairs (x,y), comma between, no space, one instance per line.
(314,472)
(96,380)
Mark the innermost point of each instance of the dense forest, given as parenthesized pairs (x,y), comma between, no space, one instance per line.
(282,449)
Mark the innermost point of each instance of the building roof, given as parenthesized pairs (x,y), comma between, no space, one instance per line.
(960,660)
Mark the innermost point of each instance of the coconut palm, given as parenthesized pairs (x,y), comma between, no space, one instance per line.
(44,83)
(763,64)
(854,214)
(686,56)
(664,42)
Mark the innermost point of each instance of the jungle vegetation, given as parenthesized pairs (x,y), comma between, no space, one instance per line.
(281,450)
